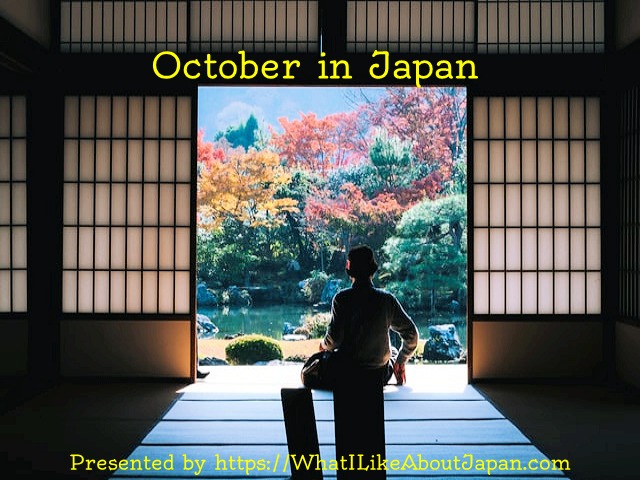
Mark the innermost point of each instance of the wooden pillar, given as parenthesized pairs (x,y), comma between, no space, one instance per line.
(302,433)
(358,406)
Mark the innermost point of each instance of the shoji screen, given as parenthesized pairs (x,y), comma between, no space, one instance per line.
(536,204)
(123,26)
(411,26)
(628,329)
(630,207)
(541,26)
(13,235)
(127,215)
(255,26)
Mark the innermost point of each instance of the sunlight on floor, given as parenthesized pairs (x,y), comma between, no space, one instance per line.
(263,379)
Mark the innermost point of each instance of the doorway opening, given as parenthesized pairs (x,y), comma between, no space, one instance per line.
(289,178)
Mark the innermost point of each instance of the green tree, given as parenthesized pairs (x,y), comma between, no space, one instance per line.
(393,160)
(244,135)
(427,256)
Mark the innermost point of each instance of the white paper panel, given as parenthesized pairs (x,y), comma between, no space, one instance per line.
(593,249)
(166,161)
(151,160)
(69,247)
(118,248)
(593,292)
(530,246)
(116,299)
(183,249)
(513,206)
(103,160)
(480,161)
(5,291)
(5,247)
(561,205)
(578,292)
(514,293)
(150,292)
(19,290)
(496,199)
(545,161)
(133,291)
(167,204)
(496,251)
(577,161)
(166,286)
(481,249)
(19,160)
(545,293)
(545,205)
(86,161)
(496,161)
(101,289)
(481,293)
(19,203)
(530,293)
(103,240)
(545,249)
(85,248)
(561,117)
(496,117)
(150,248)
(561,249)
(85,291)
(513,249)
(183,159)
(561,289)
(69,291)
(497,293)
(512,161)
(183,298)
(480,117)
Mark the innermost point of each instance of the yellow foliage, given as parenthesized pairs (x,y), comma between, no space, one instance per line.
(243,186)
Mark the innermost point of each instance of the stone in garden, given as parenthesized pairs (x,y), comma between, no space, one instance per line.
(206,328)
(443,344)
(237,296)
(332,287)
(293,337)
(205,297)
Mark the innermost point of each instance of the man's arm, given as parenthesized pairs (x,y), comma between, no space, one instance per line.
(402,323)
(333,338)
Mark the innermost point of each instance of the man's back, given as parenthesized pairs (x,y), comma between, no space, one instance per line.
(361,318)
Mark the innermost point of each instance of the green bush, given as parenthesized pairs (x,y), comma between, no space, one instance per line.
(316,324)
(249,349)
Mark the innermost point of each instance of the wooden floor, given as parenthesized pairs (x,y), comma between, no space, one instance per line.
(236,413)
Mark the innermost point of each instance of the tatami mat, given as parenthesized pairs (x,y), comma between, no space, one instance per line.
(236,414)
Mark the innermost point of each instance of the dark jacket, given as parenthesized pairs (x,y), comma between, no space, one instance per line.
(361,317)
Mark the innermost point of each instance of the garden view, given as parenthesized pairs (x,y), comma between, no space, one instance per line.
(289,178)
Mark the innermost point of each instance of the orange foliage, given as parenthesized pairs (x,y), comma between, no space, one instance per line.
(320,144)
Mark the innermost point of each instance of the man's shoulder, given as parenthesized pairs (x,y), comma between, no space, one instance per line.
(384,292)
(344,292)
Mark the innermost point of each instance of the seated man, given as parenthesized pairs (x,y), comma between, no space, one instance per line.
(362,317)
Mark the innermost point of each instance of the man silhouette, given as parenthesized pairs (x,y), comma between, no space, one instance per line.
(361,319)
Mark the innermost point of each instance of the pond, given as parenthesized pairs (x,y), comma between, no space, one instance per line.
(270,320)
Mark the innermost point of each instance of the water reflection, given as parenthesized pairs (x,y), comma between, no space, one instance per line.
(270,320)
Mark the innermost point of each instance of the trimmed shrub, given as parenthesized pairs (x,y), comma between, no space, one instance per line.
(298,358)
(302,331)
(249,349)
